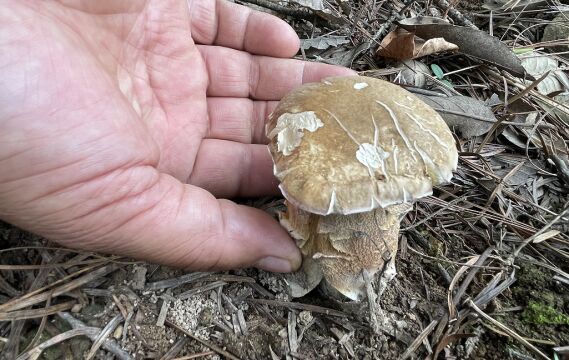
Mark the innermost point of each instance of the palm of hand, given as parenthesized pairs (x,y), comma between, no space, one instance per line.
(145,127)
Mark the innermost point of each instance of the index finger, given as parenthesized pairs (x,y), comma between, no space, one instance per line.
(219,22)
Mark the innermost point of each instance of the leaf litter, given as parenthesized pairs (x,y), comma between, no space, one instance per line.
(477,259)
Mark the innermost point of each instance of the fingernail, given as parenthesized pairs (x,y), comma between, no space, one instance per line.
(275,264)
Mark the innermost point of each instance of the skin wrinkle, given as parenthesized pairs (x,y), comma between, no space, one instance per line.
(238,119)
(96,50)
(222,233)
(76,187)
(202,31)
(243,121)
(234,126)
(254,76)
(216,10)
(200,242)
(244,181)
(257,129)
(244,35)
(234,71)
(83,146)
(154,59)
(99,241)
(98,194)
(158,202)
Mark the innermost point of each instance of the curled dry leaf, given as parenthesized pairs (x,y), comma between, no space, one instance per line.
(475,43)
(403,45)
(323,42)
(562,164)
(469,116)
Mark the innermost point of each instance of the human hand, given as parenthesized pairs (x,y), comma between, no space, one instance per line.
(122,121)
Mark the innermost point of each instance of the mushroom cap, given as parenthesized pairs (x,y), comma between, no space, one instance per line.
(352,144)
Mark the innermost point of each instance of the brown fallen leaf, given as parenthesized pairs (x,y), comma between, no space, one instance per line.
(403,45)
(475,43)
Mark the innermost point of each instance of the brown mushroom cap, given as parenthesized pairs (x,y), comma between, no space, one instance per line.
(352,144)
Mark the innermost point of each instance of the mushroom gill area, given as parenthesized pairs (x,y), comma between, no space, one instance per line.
(338,248)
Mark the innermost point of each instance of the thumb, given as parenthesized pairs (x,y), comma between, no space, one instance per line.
(186,226)
(206,233)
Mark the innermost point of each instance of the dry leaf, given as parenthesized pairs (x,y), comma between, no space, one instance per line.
(502,165)
(558,31)
(537,65)
(412,73)
(323,42)
(397,45)
(475,43)
(316,5)
(562,164)
(344,57)
(558,106)
(403,45)
(469,116)
(546,236)
(513,5)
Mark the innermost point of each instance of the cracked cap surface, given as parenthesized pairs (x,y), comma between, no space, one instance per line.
(352,144)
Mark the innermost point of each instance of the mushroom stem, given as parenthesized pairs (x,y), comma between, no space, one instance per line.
(339,248)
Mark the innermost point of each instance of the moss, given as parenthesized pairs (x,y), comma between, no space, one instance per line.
(543,314)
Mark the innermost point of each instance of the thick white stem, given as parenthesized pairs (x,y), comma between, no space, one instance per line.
(340,247)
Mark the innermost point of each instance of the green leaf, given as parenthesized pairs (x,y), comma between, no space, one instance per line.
(519,51)
(447,83)
(439,73)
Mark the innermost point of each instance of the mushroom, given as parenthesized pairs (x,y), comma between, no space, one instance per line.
(352,155)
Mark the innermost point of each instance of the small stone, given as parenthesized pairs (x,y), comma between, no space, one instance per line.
(305,317)
(139,277)
(117,334)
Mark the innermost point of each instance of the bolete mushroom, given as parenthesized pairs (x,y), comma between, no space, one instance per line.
(352,154)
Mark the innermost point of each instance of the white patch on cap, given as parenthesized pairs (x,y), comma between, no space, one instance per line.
(289,129)
(359,86)
(373,157)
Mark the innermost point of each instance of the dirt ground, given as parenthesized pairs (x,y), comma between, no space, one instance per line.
(417,297)
(482,265)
